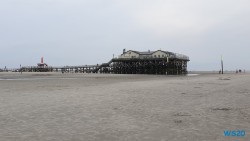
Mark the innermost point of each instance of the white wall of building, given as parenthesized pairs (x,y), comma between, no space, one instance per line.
(160,54)
(129,54)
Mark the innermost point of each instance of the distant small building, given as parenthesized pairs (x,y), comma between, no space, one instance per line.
(42,64)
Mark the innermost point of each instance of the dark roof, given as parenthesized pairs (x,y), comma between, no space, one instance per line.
(148,52)
(145,53)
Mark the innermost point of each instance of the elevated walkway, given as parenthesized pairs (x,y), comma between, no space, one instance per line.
(101,66)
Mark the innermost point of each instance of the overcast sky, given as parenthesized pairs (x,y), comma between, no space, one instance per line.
(80,32)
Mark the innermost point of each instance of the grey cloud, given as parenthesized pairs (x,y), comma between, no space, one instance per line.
(90,32)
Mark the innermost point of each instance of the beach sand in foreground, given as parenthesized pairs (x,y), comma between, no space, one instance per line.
(109,107)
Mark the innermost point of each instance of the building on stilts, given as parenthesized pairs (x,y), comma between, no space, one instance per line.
(150,62)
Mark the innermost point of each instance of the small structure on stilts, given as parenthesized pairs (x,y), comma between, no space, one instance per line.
(41,67)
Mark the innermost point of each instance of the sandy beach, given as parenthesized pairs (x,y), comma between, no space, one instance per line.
(109,107)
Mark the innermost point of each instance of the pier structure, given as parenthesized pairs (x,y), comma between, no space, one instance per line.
(129,62)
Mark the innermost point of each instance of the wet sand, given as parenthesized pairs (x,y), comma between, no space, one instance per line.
(108,107)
